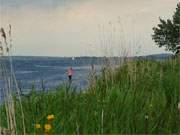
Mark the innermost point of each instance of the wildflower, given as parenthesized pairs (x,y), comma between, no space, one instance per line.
(179,105)
(37,126)
(146,117)
(47,128)
(50,117)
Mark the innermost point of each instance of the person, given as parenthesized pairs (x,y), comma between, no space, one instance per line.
(70,73)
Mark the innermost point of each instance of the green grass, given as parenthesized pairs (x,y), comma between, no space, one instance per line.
(138,97)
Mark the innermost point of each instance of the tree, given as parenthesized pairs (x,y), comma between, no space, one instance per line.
(167,32)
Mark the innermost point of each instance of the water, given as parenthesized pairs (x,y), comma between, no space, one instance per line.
(52,71)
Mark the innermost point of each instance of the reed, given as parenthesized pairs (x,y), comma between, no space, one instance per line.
(8,78)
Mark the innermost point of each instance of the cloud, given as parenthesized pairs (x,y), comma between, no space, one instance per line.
(66,28)
(11,4)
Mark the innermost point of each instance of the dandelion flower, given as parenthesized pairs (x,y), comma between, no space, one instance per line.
(47,128)
(50,117)
(37,126)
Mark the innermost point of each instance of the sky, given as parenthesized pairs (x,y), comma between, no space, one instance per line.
(84,27)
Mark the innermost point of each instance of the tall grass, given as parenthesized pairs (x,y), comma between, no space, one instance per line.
(140,97)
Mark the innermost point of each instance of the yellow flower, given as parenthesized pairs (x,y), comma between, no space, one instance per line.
(47,128)
(50,117)
(37,126)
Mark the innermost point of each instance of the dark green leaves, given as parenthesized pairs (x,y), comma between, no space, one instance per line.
(167,32)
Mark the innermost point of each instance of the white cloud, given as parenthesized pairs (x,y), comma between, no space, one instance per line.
(68,30)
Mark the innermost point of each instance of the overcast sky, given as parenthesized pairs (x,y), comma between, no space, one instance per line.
(84,27)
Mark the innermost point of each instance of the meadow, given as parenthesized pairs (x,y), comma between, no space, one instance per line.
(139,97)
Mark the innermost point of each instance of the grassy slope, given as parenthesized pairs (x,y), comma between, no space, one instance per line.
(139,97)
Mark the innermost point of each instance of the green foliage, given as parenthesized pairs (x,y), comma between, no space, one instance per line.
(167,33)
(140,97)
